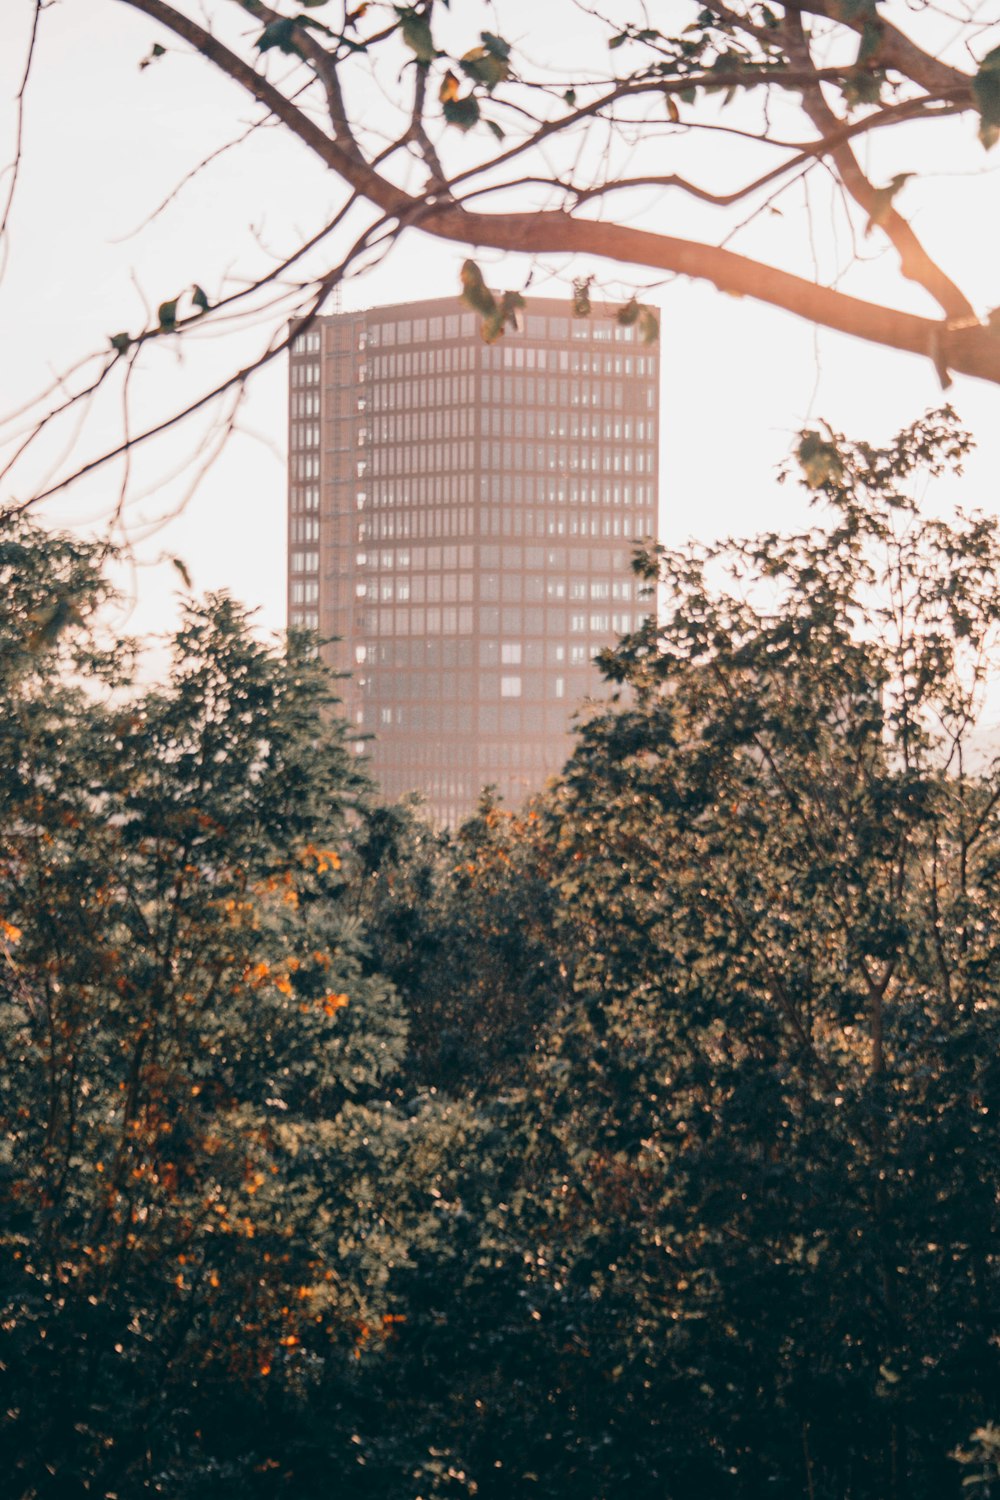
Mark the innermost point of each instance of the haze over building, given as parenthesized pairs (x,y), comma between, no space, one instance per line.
(462,518)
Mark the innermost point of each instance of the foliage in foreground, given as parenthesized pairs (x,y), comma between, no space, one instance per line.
(195,1070)
(685,1182)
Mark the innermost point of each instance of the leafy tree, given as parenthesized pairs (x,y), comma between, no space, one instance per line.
(690,1186)
(462,925)
(760,1185)
(200,1136)
(444,123)
(737,1216)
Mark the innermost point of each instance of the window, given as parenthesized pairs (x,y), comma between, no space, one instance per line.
(510,687)
(510,653)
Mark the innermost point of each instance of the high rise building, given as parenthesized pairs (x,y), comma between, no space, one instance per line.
(462,518)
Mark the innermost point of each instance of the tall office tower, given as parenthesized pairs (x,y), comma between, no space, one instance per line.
(462,518)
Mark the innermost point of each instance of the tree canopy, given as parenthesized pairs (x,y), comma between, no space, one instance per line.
(640,1143)
(754,1211)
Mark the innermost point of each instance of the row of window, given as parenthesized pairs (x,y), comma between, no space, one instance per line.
(397,559)
(575,361)
(486,686)
(427,522)
(556,489)
(304,529)
(407,366)
(432,658)
(305,497)
(304,466)
(493,621)
(455,460)
(446,719)
(434,522)
(499,457)
(537,423)
(512,588)
(504,356)
(389,494)
(402,396)
(560,490)
(418,330)
(461,521)
(424,458)
(305,404)
(599,328)
(305,591)
(428,425)
(609,394)
(490,755)
(304,435)
(304,374)
(451,326)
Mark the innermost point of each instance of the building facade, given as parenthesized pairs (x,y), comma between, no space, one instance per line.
(461,520)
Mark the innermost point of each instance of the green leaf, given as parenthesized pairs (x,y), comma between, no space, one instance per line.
(181,567)
(280,34)
(167,315)
(462,112)
(506,311)
(649,326)
(495,45)
(492,125)
(475,293)
(485,67)
(416,32)
(986,88)
(120,342)
(570,97)
(492,327)
(628,314)
(618,41)
(581,296)
(511,304)
(819,459)
(198,297)
(154,52)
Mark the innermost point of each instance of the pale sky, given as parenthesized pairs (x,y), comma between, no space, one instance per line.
(105,142)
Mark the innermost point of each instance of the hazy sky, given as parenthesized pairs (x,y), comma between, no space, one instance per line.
(105,142)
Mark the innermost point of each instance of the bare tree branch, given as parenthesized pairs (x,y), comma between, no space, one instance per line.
(15,165)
